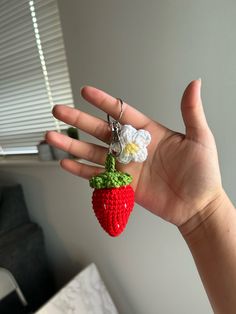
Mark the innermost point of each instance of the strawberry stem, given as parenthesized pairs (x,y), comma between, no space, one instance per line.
(111,178)
(110,163)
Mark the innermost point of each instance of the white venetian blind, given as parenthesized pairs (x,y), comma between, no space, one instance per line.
(33,73)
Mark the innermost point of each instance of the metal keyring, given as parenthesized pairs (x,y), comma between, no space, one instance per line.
(115,147)
(121,112)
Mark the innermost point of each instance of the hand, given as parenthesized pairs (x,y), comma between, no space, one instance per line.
(180,177)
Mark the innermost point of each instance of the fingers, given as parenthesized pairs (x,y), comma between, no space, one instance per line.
(95,126)
(192,110)
(87,151)
(111,106)
(87,123)
(79,169)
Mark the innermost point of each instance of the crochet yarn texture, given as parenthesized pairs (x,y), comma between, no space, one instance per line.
(113,198)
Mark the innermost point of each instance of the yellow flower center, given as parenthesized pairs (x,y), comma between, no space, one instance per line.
(131,148)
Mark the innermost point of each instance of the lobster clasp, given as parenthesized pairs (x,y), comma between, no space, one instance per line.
(115,147)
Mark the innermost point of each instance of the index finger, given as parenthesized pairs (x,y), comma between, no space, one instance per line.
(111,106)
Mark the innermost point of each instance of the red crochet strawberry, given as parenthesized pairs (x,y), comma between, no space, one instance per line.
(113,198)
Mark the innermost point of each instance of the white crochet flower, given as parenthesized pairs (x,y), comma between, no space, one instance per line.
(134,144)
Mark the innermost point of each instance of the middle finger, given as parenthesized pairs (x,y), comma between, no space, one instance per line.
(84,121)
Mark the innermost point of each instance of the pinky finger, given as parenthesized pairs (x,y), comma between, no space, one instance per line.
(80,169)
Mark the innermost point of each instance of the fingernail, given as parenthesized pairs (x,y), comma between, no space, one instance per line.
(81,88)
(54,108)
(200,80)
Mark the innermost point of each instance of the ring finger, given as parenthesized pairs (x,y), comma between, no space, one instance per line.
(88,151)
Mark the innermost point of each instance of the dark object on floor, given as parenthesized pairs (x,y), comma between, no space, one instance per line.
(22,250)
(11,305)
(13,210)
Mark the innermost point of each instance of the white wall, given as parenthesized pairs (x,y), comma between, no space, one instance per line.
(144,52)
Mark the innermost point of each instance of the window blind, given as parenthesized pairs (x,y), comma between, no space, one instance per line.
(33,73)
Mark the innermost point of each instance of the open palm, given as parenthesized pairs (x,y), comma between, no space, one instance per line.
(181,174)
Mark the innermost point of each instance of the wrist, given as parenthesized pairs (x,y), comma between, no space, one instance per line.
(211,238)
(210,217)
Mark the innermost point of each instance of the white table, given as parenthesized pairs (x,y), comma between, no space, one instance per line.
(84,294)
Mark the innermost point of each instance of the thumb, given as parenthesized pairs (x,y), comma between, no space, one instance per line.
(192,110)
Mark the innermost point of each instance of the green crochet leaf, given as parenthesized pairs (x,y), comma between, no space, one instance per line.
(111,178)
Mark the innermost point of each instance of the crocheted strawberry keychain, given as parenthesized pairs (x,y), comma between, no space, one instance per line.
(113,196)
